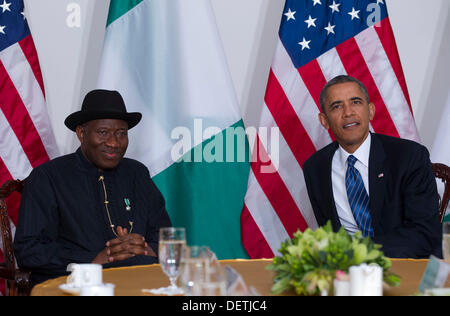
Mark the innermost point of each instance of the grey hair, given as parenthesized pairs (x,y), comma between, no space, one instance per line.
(338,80)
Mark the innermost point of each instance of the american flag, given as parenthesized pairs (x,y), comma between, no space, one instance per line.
(318,40)
(26,136)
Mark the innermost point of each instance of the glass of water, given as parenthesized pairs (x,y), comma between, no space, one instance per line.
(172,244)
(193,270)
(201,273)
(215,280)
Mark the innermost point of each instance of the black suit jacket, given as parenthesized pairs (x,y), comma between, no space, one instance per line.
(403,196)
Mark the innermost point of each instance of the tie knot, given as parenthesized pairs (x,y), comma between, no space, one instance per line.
(351,160)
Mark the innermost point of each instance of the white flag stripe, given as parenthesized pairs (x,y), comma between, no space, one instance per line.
(290,172)
(384,76)
(331,64)
(19,70)
(299,97)
(264,215)
(12,154)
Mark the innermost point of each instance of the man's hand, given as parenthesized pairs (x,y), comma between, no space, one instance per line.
(124,247)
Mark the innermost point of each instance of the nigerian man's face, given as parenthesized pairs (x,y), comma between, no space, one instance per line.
(104,142)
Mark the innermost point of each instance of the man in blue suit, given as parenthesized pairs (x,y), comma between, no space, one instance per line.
(376,184)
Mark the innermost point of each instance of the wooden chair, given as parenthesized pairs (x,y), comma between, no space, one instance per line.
(17,281)
(442,172)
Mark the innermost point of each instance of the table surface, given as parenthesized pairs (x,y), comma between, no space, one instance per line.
(130,281)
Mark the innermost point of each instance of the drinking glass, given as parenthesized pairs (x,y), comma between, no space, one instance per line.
(201,273)
(193,269)
(215,280)
(172,243)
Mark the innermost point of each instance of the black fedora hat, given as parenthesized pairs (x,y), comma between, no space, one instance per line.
(102,104)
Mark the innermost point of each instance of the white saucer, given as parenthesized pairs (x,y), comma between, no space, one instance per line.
(69,288)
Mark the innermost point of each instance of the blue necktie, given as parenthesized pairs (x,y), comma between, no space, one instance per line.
(358,198)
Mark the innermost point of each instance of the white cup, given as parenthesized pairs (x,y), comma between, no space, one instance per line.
(98,290)
(366,280)
(341,288)
(85,274)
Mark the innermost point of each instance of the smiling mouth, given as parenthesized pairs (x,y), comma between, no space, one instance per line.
(351,125)
(111,155)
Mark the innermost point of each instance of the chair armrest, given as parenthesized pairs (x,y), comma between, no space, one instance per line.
(22,279)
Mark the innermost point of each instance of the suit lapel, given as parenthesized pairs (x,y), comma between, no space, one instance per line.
(378,172)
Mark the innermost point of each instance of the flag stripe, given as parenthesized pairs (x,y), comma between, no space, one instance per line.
(387,83)
(331,65)
(13,202)
(4,173)
(14,158)
(288,168)
(30,92)
(298,96)
(264,215)
(29,51)
(356,66)
(314,79)
(287,120)
(118,8)
(277,192)
(387,38)
(253,238)
(20,121)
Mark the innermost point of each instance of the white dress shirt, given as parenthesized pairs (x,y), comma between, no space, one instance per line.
(338,171)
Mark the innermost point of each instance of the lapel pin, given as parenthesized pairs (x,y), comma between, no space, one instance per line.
(381,175)
(127,204)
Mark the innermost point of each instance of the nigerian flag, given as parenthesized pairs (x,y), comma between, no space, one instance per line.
(166,59)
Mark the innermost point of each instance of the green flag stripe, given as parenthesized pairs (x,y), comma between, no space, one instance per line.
(207,197)
(117,8)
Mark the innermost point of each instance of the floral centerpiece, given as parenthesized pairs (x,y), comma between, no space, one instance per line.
(309,262)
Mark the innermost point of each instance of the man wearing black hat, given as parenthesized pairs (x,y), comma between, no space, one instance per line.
(92,206)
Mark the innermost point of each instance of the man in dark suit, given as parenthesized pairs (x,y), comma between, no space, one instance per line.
(376,184)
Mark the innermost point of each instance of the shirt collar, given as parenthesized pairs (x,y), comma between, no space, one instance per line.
(83,161)
(362,153)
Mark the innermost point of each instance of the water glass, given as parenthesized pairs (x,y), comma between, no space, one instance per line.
(215,282)
(202,274)
(193,269)
(172,243)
